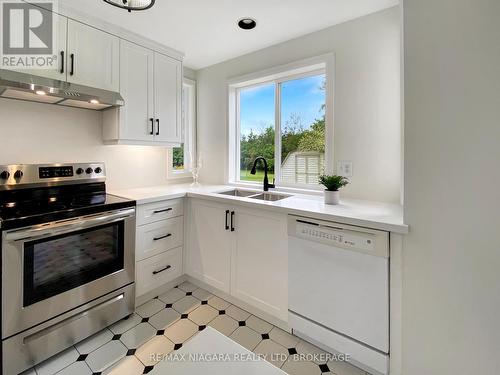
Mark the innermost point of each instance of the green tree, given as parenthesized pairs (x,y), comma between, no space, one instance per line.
(314,138)
(291,134)
(254,145)
(178,157)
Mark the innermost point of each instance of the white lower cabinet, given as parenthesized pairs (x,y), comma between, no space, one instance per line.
(209,255)
(158,248)
(240,251)
(158,270)
(156,237)
(259,261)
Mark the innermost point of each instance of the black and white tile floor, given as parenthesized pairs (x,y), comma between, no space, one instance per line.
(165,323)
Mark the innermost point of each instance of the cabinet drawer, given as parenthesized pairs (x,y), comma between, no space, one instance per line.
(155,238)
(152,212)
(158,270)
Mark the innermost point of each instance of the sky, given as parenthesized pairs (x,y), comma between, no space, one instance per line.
(301,96)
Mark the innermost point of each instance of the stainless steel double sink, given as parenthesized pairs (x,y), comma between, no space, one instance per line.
(263,196)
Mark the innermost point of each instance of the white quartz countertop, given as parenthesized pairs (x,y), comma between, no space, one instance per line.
(375,215)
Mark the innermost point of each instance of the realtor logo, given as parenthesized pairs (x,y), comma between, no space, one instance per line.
(28,34)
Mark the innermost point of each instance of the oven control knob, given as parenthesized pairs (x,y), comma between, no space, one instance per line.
(89,170)
(18,174)
(79,171)
(4,175)
(98,170)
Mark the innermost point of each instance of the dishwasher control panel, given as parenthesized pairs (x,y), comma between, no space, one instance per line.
(348,237)
(336,237)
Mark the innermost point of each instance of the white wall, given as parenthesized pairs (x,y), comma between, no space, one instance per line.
(41,133)
(451,290)
(367,105)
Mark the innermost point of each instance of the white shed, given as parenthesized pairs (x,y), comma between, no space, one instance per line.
(302,167)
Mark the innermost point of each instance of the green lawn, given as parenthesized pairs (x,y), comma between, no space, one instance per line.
(258,177)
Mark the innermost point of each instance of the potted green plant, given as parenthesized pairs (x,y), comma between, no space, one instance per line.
(332,183)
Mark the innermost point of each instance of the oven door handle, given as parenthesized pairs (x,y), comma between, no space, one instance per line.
(67,226)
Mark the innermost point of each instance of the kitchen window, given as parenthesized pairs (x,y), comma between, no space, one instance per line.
(181,158)
(286,118)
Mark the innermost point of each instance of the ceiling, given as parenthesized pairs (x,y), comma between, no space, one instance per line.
(206,31)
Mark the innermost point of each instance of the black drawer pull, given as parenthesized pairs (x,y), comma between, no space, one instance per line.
(152,126)
(160,211)
(227,217)
(158,126)
(163,269)
(72,69)
(162,237)
(232,221)
(62,62)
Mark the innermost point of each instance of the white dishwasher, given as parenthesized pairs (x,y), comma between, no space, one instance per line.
(339,289)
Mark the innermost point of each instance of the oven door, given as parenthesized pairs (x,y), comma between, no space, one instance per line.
(52,268)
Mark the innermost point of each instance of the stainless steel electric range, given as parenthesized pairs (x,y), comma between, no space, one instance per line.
(67,259)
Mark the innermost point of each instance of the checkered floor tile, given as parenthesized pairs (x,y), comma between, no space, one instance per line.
(161,326)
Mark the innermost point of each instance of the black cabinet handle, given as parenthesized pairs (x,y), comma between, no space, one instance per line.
(152,126)
(160,211)
(158,126)
(62,62)
(162,237)
(227,219)
(232,221)
(72,70)
(161,270)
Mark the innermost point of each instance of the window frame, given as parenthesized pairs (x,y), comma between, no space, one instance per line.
(324,64)
(189,132)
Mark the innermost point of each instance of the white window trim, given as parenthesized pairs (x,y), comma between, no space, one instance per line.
(299,69)
(190,134)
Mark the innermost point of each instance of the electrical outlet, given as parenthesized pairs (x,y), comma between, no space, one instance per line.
(344,168)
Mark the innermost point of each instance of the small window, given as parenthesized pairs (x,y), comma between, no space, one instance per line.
(284,120)
(181,157)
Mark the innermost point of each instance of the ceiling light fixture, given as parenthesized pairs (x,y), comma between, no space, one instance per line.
(247,23)
(40,92)
(131,5)
(94,101)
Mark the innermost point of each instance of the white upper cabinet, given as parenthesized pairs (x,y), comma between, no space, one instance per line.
(168,91)
(137,89)
(93,57)
(151,85)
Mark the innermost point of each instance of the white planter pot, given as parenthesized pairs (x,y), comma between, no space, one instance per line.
(332,197)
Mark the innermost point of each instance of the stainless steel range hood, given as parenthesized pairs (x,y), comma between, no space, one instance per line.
(23,86)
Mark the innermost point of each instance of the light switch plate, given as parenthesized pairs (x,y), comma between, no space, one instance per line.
(344,168)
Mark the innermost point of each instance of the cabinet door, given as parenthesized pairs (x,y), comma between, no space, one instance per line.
(58,69)
(259,270)
(136,87)
(93,57)
(209,252)
(168,91)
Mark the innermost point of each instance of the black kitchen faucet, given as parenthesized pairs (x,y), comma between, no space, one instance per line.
(267,185)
